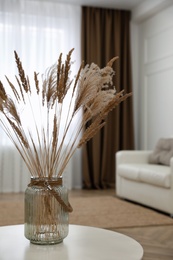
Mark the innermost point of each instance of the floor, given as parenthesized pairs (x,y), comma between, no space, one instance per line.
(156,241)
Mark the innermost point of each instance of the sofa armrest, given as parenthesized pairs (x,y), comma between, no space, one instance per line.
(171,164)
(132,156)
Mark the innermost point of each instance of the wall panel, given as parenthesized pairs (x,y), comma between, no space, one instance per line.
(156,78)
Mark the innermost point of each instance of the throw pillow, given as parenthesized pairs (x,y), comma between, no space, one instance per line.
(162,152)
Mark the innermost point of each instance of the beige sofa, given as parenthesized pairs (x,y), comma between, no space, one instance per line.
(139,180)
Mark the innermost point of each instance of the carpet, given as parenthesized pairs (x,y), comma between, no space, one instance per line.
(102,211)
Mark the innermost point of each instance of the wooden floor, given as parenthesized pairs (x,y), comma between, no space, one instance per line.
(157,241)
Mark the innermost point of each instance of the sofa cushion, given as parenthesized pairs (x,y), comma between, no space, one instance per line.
(162,152)
(158,175)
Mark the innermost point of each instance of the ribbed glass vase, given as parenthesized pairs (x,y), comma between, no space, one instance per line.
(46,211)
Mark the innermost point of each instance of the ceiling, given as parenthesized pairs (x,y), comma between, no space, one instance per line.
(113,4)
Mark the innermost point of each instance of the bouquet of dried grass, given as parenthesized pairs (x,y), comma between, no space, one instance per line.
(42,134)
(42,121)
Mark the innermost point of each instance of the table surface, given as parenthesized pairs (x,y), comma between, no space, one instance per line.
(82,243)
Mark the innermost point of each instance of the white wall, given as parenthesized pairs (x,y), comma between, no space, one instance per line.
(152,57)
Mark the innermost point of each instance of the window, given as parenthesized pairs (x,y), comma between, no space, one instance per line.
(39,31)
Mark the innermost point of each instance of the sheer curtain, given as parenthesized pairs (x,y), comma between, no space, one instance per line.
(38,31)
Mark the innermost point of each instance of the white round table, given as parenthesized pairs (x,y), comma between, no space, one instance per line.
(82,243)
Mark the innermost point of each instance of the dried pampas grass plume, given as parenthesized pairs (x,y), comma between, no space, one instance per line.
(46,145)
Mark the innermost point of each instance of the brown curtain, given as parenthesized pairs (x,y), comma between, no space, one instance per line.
(105,34)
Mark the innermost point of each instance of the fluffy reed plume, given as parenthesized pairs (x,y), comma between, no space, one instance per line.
(47,140)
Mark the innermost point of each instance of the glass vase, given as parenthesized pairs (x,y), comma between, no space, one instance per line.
(46,211)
